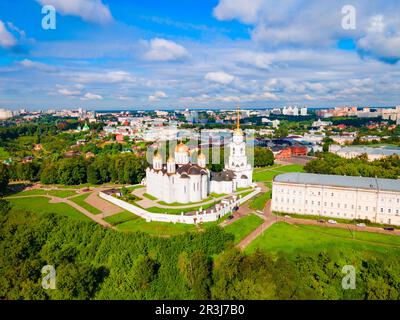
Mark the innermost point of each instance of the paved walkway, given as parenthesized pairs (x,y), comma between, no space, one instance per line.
(245,210)
(107,208)
(269,221)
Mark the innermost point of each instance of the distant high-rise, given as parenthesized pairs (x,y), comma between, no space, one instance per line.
(5,114)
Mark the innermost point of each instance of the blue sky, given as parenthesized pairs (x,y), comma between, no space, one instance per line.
(178,53)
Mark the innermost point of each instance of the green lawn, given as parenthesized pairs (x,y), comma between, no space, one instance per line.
(149,196)
(290,239)
(258,203)
(339,220)
(177,210)
(210,198)
(120,218)
(56,193)
(41,205)
(80,200)
(155,228)
(268,174)
(134,187)
(275,165)
(244,226)
(291,168)
(61,193)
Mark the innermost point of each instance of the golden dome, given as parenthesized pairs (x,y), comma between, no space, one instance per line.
(157,156)
(170,159)
(238,132)
(181,147)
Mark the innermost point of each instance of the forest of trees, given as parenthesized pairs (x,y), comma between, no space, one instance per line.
(96,263)
(328,163)
(117,168)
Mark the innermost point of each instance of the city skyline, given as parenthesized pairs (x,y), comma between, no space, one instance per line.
(131,55)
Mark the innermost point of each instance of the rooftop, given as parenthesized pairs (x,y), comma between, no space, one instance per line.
(370,150)
(340,181)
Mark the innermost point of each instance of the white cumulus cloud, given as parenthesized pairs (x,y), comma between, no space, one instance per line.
(91,96)
(157,96)
(165,50)
(7,39)
(245,11)
(380,42)
(220,77)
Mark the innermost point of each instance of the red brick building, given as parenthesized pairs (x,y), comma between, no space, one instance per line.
(289,152)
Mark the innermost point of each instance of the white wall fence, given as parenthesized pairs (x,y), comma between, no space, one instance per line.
(224,207)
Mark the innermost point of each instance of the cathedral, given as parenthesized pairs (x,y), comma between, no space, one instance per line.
(180,180)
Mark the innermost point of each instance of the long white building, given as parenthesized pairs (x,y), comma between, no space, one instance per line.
(377,200)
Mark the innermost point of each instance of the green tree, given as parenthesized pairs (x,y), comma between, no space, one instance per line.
(196,269)
(263,157)
(4,178)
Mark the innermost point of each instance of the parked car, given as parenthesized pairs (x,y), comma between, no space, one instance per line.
(332,221)
(230,217)
(321,221)
(389,229)
(287,217)
(361,225)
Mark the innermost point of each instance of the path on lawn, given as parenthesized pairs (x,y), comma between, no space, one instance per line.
(269,220)
(106,208)
(245,209)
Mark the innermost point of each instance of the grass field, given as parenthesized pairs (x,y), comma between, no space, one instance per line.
(210,198)
(177,210)
(80,200)
(258,203)
(155,228)
(269,173)
(120,218)
(244,226)
(41,205)
(134,187)
(339,220)
(55,193)
(149,196)
(290,239)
